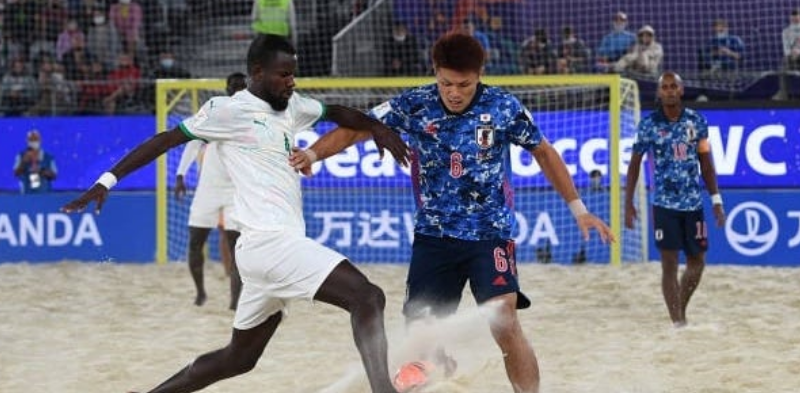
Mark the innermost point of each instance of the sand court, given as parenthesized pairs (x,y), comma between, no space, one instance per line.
(79,327)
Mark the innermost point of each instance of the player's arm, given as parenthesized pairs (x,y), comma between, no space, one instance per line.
(556,172)
(634,167)
(327,145)
(190,152)
(140,156)
(709,174)
(360,122)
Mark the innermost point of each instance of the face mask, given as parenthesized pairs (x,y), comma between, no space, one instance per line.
(400,38)
(57,76)
(722,35)
(167,63)
(34,145)
(124,1)
(99,20)
(620,26)
(570,40)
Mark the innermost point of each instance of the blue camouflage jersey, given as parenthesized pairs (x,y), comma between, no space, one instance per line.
(461,164)
(674,152)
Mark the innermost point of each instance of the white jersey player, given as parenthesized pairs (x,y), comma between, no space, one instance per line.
(212,206)
(255,130)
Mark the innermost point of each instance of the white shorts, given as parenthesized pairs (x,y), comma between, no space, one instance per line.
(277,267)
(208,205)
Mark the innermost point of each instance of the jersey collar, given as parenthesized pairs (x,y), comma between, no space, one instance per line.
(250,98)
(475,99)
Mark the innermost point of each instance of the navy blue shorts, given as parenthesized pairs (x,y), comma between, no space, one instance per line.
(441,267)
(680,230)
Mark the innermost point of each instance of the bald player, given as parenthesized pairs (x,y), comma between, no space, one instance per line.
(676,138)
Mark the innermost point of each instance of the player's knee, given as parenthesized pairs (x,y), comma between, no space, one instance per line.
(371,297)
(240,362)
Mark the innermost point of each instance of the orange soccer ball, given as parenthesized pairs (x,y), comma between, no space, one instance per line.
(412,375)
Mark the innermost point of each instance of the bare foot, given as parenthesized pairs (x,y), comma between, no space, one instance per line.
(200,299)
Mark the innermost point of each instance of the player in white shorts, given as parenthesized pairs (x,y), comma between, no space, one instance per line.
(212,207)
(255,130)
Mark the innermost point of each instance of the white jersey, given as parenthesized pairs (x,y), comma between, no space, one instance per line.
(255,142)
(213,175)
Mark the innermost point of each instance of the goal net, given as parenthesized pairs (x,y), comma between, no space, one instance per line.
(363,206)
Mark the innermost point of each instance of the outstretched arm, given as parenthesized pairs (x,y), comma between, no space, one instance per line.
(140,156)
(556,172)
(189,155)
(357,121)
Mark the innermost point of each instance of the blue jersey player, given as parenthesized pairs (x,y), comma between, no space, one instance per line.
(460,132)
(677,140)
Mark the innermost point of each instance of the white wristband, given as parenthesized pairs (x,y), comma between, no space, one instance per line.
(107,180)
(311,155)
(577,208)
(716,199)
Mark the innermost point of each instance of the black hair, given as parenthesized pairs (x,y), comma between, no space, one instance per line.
(235,75)
(458,52)
(265,48)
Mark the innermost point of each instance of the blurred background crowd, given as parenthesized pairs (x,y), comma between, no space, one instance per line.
(64,57)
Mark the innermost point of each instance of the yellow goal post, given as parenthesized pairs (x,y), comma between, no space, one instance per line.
(615,97)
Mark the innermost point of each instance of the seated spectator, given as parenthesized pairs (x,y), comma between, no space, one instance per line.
(93,88)
(167,69)
(126,17)
(18,89)
(615,44)
(573,55)
(56,94)
(102,39)
(503,59)
(537,55)
(67,38)
(645,57)
(723,52)
(791,41)
(402,55)
(125,80)
(76,58)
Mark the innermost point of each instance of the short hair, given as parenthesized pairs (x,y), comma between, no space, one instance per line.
(265,48)
(235,75)
(672,74)
(458,51)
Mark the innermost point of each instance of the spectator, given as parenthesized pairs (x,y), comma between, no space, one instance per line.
(615,44)
(67,38)
(126,17)
(504,55)
(273,17)
(470,28)
(166,68)
(537,55)
(56,95)
(596,180)
(574,55)
(723,52)
(17,89)
(645,57)
(35,168)
(791,53)
(125,83)
(51,19)
(402,56)
(93,88)
(77,58)
(18,22)
(102,39)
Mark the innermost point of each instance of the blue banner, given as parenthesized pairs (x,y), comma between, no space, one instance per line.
(751,149)
(32,229)
(762,228)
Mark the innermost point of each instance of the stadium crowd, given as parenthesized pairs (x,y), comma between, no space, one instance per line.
(65,57)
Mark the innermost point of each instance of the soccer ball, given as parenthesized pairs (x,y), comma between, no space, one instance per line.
(412,375)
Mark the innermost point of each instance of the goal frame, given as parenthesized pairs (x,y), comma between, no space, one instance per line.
(181,87)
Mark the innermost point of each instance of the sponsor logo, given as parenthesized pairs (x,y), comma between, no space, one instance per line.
(751,228)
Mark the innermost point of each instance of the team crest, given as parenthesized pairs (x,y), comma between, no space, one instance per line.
(484,136)
(691,132)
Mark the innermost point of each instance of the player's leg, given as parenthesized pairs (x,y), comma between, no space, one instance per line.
(197,240)
(225,247)
(238,357)
(668,232)
(348,288)
(236,281)
(493,281)
(695,249)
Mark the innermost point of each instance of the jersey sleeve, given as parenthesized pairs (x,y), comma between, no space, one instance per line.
(189,155)
(215,121)
(306,111)
(522,129)
(641,142)
(393,114)
(702,127)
